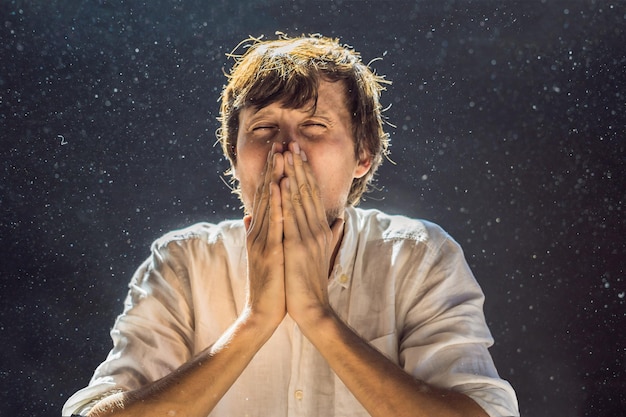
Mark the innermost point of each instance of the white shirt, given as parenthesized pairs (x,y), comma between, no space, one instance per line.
(402,284)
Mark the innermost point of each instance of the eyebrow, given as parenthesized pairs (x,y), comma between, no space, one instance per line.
(266,109)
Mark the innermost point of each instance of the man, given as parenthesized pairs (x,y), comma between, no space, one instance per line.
(308,306)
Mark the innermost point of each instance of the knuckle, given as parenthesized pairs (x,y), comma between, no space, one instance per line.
(305,189)
(275,217)
(288,212)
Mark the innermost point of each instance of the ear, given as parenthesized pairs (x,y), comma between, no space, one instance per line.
(363,165)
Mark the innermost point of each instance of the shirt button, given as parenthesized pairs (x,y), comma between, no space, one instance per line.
(343,278)
(298,394)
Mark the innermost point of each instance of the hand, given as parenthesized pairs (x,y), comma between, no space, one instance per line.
(308,240)
(264,235)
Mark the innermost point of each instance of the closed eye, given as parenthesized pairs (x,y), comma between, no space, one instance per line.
(314,130)
(314,126)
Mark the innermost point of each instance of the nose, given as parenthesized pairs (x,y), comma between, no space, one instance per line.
(282,139)
(280,146)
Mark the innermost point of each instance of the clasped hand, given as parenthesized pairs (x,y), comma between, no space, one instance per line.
(289,242)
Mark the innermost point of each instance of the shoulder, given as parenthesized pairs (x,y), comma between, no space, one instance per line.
(388,227)
(229,233)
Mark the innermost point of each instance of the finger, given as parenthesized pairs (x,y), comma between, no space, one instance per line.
(295,197)
(274,220)
(278,167)
(306,185)
(264,174)
(290,224)
(316,206)
(261,203)
(275,216)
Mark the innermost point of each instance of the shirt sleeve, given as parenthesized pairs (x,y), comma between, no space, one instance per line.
(154,334)
(446,339)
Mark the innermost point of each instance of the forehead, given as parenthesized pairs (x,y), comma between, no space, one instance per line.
(332,94)
(330,98)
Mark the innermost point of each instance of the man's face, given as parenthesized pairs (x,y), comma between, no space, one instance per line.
(325,136)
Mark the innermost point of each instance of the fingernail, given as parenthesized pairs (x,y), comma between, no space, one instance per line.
(303,155)
(290,158)
(296,148)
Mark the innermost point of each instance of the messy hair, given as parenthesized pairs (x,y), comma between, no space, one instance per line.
(289,70)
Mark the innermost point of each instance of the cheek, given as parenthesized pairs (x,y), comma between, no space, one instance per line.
(248,173)
(247,176)
(334,183)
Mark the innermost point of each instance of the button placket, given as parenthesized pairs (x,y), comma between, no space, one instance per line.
(295,404)
(298,394)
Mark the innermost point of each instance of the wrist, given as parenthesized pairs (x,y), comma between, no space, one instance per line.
(260,326)
(317,321)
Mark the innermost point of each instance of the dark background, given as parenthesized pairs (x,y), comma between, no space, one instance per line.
(510,122)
